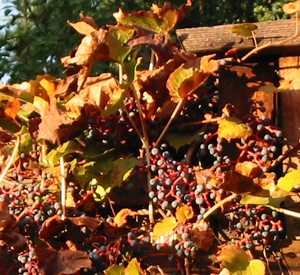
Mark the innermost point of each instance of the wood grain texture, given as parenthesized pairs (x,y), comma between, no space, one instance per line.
(218,39)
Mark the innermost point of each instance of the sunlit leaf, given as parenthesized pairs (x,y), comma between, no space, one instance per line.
(12,108)
(41,106)
(164,227)
(291,7)
(160,20)
(289,180)
(239,262)
(82,27)
(232,127)
(244,29)
(186,79)
(134,268)
(120,218)
(284,85)
(115,269)
(256,200)
(183,213)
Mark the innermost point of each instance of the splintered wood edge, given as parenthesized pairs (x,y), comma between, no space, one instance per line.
(218,39)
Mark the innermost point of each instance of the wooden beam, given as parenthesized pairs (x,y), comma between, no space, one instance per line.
(218,39)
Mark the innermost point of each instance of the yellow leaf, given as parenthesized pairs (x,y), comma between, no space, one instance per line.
(164,227)
(232,127)
(82,27)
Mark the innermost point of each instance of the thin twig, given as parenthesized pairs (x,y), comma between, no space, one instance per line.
(217,205)
(174,114)
(11,160)
(285,211)
(63,187)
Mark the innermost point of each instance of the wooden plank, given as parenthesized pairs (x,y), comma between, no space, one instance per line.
(240,83)
(289,69)
(218,39)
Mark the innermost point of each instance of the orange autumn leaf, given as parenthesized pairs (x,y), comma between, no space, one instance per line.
(120,218)
(291,7)
(12,108)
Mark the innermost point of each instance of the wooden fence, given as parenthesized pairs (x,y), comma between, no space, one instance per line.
(240,82)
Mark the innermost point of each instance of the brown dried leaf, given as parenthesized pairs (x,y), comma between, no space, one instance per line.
(53,262)
(89,222)
(14,240)
(50,226)
(5,220)
(203,239)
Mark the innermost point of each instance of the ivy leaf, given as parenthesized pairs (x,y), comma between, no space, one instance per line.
(164,227)
(115,269)
(238,262)
(183,213)
(190,76)
(244,29)
(232,127)
(290,179)
(134,268)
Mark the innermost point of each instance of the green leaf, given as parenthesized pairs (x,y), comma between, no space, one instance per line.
(115,270)
(116,38)
(233,258)
(164,227)
(288,182)
(69,147)
(100,192)
(232,127)
(134,268)
(179,139)
(130,69)
(120,168)
(117,104)
(244,29)
(256,200)
(184,212)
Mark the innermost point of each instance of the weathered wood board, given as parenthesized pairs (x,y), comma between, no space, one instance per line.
(218,39)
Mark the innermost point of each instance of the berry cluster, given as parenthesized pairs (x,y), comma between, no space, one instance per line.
(173,182)
(254,226)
